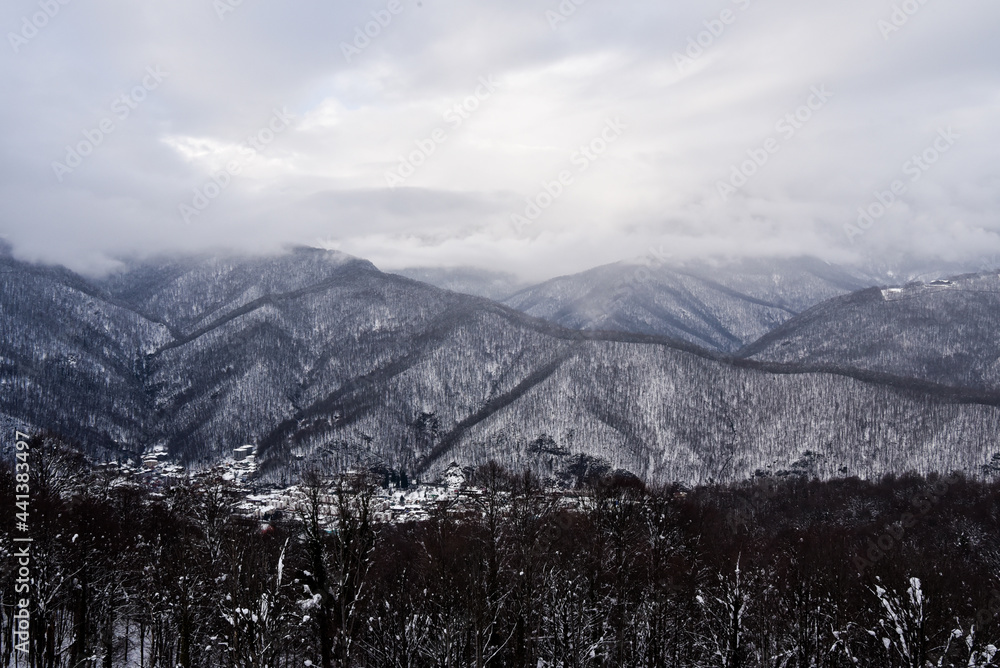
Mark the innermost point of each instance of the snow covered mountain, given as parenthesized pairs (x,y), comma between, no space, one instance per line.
(319,356)
(944,331)
(718,306)
(71,357)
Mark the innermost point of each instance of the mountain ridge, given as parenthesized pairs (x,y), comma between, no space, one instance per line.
(722,307)
(943,331)
(324,358)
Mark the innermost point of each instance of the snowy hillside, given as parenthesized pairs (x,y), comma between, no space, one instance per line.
(721,307)
(944,331)
(316,356)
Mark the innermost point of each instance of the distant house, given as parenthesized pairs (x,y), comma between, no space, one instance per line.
(151,460)
(242,452)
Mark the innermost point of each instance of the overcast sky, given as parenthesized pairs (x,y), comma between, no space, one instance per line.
(358,145)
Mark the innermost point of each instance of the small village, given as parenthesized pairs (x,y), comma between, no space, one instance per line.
(394,502)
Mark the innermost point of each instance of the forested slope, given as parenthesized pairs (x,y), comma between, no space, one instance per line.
(318,356)
(945,331)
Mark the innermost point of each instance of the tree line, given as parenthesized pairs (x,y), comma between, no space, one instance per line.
(789,572)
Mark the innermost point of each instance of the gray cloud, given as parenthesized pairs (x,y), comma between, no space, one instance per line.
(323,180)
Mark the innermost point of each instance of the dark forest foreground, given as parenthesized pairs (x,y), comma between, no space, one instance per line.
(791,572)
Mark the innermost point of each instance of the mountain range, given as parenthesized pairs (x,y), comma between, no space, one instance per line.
(320,358)
(716,307)
(945,331)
